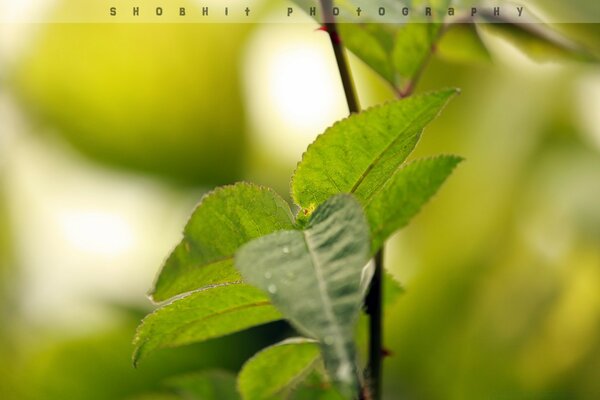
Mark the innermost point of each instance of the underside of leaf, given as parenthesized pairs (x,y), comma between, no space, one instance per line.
(314,278)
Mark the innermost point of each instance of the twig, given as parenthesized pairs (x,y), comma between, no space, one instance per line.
(374,306)
(373,301)
(340,57)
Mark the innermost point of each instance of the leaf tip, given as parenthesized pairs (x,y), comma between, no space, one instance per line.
(456,159)
(444,95)
(137,354)
(451,92)
(139,344)
(158,295)
(150,295)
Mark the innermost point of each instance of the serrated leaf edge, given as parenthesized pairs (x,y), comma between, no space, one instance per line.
(402,167)
(138,342)
(207,197)
(452,92)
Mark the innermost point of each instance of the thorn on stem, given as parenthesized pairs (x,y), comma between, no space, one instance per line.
(386,352)
(366,393)
(335,37)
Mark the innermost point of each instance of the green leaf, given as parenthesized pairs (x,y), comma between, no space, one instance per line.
(362,152)
(206,385)
(537,41)
(461,43)
(403,195)
(204,314)
(316,386)
(313,276)
(397,53)
(412,48)
(317,390)
(392,289)
(373,44)
(274,372)
(225,219)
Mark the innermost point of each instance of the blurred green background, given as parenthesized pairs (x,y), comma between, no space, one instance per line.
(109,134)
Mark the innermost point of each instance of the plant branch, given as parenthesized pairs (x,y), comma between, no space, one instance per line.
(340,57)
(373,302)
(374,307)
